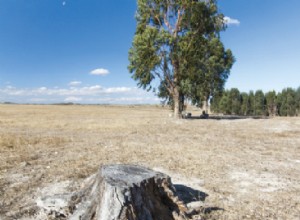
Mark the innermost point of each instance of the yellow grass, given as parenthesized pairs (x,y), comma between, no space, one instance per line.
(250,167)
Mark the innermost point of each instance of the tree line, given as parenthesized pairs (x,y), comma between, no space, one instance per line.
(258,103)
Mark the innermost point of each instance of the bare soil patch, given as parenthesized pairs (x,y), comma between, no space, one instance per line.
(249,168)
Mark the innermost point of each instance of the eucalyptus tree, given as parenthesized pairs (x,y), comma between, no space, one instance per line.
(259,103)
(177,44)
(298,101)
(211,77)
(271,103)
(225,103)
(245,106)
(288,104)
(215,103)
(235,101)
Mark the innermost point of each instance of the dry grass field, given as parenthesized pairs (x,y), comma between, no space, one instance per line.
(249,168)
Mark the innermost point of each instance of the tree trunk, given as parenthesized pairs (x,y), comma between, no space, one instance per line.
(205,106)
(178,103)
(122,192)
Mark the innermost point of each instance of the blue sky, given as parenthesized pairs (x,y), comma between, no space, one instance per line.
(77,50)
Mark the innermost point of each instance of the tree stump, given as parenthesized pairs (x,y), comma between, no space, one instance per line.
(124,192)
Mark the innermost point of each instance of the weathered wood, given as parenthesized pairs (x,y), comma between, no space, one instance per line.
(124,192)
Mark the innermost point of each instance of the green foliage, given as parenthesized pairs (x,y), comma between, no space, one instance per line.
(245,105)
(259,103)
(288,103)
(144,57)
(298,101)
(271,101)
(215,103)
(177,43)
(251,110)
(164,94)
(235,101)
(224,105)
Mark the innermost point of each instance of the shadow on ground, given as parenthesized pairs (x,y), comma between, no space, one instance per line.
(189,195)
(227,117)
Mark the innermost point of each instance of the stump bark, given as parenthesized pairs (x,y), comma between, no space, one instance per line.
(126,192)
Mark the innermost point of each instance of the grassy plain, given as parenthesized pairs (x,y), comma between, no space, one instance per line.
(250,168)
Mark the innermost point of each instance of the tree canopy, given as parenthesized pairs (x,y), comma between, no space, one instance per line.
(177,44)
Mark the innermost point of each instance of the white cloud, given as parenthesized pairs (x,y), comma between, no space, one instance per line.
(75,83)
(72,91)
(12,91)
(64,3)
(146,99)
(231,21)
(94,88)
(37,100)
(73,99)
(42,89)
(118,90)
(100,71)
(85,95)
(9,87)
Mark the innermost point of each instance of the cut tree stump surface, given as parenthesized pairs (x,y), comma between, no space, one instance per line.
(120,192)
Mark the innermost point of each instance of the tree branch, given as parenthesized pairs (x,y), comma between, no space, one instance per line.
(166,74)
(178,22)
(168,24)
